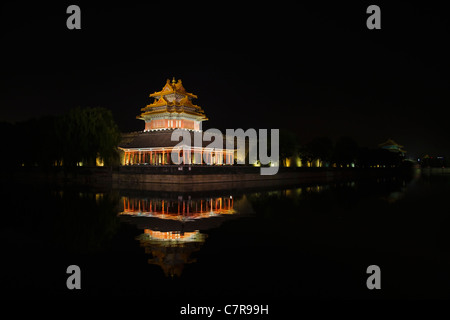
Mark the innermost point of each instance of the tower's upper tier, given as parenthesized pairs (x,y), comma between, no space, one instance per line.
(172,108)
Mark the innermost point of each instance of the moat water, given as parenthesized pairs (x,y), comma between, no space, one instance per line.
(308,241)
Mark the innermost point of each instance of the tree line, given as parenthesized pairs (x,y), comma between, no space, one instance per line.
(343,152)
(81,136)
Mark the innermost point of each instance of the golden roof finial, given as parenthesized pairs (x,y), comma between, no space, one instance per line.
(173,81)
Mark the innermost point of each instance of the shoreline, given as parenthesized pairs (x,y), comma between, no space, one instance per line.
(197,179)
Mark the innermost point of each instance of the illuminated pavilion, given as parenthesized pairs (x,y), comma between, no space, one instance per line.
(392,146)
(172,109)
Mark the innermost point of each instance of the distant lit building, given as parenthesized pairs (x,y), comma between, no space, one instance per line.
(433,161)
(172,109)
(393,146)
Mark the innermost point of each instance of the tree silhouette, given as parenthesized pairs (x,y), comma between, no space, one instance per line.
(319,148)
(82,135)
(345,151)
(289,145)
(88,133)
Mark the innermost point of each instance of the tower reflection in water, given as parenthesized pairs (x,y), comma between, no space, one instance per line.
(172,226)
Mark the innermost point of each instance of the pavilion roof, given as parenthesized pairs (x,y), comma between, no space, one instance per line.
(159,139)
(173,87)
(390,142)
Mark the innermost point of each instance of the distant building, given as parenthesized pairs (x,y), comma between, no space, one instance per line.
(172,109)
(433,161)
(392,146)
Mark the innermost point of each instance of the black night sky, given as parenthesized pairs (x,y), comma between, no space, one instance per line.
(317,71)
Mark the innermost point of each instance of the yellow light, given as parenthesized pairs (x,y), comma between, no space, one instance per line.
(99,162)
(288,162)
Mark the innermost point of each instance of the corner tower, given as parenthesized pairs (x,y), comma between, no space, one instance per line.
(172,109)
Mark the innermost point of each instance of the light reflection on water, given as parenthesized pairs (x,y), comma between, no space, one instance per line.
(256,237)
(172,227)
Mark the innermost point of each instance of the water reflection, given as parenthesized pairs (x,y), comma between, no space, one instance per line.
(327,225)
(171,250)
(180,209)
(172,226)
